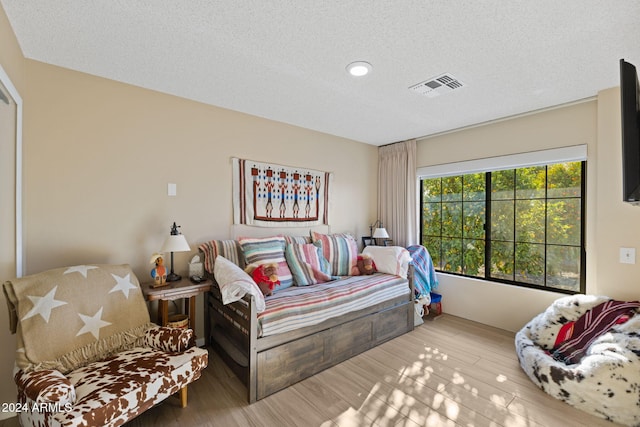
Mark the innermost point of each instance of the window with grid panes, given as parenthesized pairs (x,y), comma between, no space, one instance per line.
(521,226)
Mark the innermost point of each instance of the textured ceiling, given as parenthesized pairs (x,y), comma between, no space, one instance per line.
(285,60)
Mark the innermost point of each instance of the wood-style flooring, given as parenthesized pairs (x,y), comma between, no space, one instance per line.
(447,372)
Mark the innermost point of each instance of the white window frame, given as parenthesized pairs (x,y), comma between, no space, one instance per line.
(574,153)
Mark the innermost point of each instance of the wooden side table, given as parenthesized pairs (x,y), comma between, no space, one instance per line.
(185,289)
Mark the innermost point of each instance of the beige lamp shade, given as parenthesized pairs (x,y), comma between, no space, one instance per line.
(175,243)
(380,233)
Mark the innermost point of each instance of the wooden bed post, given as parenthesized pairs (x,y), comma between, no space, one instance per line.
(411,313)
(207,321)
(252,385)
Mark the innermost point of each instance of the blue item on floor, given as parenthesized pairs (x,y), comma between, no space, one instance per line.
(436,301)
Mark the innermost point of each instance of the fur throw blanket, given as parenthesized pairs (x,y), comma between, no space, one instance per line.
(68,317)
(605,381)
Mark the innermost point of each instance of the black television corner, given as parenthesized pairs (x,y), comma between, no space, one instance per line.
(630,118)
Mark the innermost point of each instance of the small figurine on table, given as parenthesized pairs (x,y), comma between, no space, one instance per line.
(159,273)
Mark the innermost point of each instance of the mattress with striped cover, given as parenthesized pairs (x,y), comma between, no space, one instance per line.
(300,306)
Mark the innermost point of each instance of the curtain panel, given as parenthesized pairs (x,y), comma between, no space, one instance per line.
(397,192)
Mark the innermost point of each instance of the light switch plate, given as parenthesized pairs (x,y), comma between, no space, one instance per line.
(171,189)
(628,255)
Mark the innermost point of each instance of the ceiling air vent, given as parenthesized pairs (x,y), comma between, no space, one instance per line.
(437,86)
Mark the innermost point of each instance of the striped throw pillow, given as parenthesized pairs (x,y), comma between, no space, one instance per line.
(307,264)
(341,250)
(267,250)
(297,239)
(226,248)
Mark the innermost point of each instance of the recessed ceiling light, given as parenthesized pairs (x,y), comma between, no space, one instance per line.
(359,68)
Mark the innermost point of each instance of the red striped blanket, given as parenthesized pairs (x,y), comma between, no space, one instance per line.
(300,306)
(575,337)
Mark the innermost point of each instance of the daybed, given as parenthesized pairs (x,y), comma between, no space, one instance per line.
(273,342)
(585,350)
(87,354)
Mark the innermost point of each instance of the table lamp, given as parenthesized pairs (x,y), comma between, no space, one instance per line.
(175,242)
(379,233)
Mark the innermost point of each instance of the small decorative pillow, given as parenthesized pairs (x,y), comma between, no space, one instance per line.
(266,251)
(234,283)
(307,264)
(172,340)
(341,250)
(46,386)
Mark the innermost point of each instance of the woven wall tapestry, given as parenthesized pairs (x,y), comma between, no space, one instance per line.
(269,195)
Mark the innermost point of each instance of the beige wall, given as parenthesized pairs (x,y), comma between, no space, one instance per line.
(99,156)
(611,224)
(617,224)
(12,62)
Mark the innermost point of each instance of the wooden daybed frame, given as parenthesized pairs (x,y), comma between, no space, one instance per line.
(267,365)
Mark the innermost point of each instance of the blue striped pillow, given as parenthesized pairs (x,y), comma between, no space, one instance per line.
(307,264)
(268,250)
(341,250)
